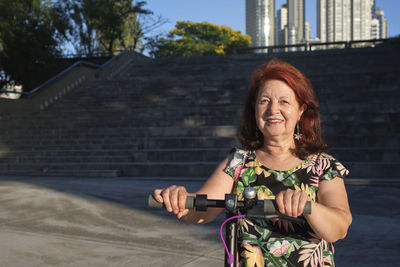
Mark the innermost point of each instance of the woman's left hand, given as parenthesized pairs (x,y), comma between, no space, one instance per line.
(291,202)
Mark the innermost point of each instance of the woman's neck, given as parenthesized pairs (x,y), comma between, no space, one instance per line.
(280,148)
(278,156)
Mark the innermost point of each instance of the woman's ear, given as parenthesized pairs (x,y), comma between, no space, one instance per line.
(302,109)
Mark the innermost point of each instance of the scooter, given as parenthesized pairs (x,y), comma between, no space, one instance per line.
(250,208)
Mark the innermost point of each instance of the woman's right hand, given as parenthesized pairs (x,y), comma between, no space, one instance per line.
(174,199)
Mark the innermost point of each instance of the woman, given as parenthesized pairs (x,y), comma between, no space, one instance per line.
(283,159)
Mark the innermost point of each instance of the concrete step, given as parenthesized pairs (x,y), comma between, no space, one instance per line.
(358,128)
(185,169)
(62,173)
(212,116)
(144,137)
(123,130)
(350,82)
(140,169)
(141,142)
(220,93)
(69,147)
(336,125)
(359,110)
(188,126)
(364,140)
(373,169)
(82,140)
(315,62)
(337,141)
(366,154)
(154,155)
(144,88)
(59,155)
(83,155)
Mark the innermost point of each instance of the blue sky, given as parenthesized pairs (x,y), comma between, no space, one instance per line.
(232,12)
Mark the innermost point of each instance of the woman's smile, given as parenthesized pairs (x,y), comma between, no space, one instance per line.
(274,121)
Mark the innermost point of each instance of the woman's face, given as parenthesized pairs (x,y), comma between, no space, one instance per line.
(277,110)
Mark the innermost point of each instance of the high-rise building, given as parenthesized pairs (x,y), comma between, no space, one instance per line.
(296,21)
(308,36)
(361,19)
(375,34)
(282,15)
(260,16)
(334,20)
(344,20)
(383,25)
(281,25)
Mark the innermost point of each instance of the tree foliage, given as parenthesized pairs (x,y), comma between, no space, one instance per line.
(104,25)
(198,39)
(34,32)
(30,34)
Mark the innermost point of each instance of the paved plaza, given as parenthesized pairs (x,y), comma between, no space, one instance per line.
(77,222)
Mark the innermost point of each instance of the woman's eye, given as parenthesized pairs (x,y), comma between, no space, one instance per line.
(285,102)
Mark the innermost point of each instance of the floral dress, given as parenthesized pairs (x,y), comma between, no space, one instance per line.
(280,242)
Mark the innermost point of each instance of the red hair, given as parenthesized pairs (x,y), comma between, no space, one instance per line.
(310,123)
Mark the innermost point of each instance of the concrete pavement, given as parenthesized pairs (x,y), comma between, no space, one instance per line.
(56,221)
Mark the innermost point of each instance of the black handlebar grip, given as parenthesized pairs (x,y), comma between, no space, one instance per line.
(307,208)
(270,207)
(153,203)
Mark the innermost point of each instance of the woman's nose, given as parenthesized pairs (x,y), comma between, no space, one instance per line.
(272,107)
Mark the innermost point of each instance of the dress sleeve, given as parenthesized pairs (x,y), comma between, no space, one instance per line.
(236,161)
(331,167)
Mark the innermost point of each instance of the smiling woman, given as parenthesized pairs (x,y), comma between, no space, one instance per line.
(288,84)
(283,162)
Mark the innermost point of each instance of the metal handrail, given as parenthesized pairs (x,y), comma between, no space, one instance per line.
(70,68)
(308,46)
(54,78)
(129,48)
(95,54)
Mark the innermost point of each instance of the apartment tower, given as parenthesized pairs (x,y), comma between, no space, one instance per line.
(282,25)
(296,21)
(260,22)
(344,20)
(383,25)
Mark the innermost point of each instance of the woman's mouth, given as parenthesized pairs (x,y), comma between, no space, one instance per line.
(272,121)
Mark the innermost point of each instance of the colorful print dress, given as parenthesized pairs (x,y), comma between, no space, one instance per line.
(281,242)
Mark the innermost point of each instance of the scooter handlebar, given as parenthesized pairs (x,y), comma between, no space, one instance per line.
(270,206)
(153,203)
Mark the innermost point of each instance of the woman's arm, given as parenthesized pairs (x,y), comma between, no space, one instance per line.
(174,197)
(330,218)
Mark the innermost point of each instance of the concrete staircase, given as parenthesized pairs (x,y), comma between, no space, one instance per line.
(177,117)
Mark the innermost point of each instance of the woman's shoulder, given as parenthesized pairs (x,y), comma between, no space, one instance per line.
(320,156)
(237,158)
(325,165)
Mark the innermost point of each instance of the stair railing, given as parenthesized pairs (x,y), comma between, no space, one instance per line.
(308,46)
(50,91)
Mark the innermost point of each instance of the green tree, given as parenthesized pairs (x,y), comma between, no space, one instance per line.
(198,39)
(83,18)
(30,35)
(104,24)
